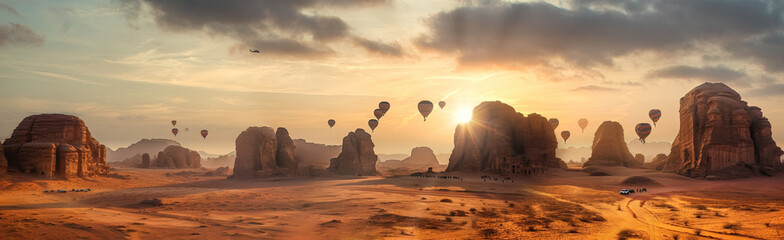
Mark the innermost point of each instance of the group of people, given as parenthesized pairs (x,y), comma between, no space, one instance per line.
(437,177)
(486,178)
(64,191)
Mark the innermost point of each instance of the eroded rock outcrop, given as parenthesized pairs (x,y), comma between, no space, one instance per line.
(657,162)
(721,135)
(609,147)
(145,161)
(356,157)
(178,157)
(262,152)
(3,162)
(55,145)
(421,157)
(500,140)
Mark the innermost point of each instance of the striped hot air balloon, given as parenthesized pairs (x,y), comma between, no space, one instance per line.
(372,123)
(331,123)
(554,123)
(384,106)
(655,115)
(378,113)
(175,131)
(425,107)
(582,123)
(565,135)
(204,133)
(643,130)
(441,104)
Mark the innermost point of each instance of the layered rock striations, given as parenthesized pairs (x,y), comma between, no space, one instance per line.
(721,135)
(499,139)
(260,152)
(55,145)
(609,148)
(356,157)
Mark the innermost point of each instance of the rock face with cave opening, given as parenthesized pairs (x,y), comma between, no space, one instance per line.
(721,135)
(498,139)
(55,146)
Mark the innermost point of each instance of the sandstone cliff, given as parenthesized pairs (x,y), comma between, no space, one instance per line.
(262,152)
(356,157)
(500,140)
(609,147)
(55,145)
(721,135)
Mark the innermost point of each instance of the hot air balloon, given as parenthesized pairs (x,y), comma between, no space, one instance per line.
(655,114)
(204,133)
(331,123)
(553,122)
(441,104)
(186,129)
(372,123)
(378,113)
(175,131)
(565,135)
(174,123)
(384,106)
(582,123)
(643,130)
(425,107)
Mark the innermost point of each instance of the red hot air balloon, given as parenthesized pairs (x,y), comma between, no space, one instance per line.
(384,106)
(378,113)
(174,123)
(582,123)
(643,130)
(204,133)
(372,123)
(425,107)
(554,123)
(331,123)
(441,104)
(654,114)
(565,135)
(175,131)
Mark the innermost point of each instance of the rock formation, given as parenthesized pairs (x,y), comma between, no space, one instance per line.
(639,160)
(421,157)
(262,152)
(657,162)
(314,154)
(721,135)
(55,145)
(152,146)
(3,162)
(500,140)
(178,157)
(609,147)
(220,161)
(356,156)
(145,161)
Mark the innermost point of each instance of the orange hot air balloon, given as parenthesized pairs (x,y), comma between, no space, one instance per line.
(372,123)
(565,135)
(331,123)
(175,131)
(425,107)
(441,104)
(378,113)
(582,123)
(204,133)
(642,130)
(384,106)
(554,123)
(655,115)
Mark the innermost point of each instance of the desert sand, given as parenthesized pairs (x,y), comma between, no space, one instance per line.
(567,204)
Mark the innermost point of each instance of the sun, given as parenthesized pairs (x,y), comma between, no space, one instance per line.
(463,115)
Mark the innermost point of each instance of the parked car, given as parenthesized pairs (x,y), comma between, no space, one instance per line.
(625,192)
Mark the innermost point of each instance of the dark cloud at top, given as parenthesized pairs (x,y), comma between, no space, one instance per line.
(8,9)
(19,35)
(594,32)
(387,49)
(718,73)
(257,24)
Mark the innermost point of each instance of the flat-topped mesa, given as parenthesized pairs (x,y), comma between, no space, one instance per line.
(55,146)
(177,157)
(356,157)
(261,152)
(498,139)
(721,135)
(609,148)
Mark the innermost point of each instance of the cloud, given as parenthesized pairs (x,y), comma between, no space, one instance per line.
(8,9)
(392,49)
(768,90)
(767,50)
(593,33)
(284,27)
(19,35)
(717,73)
(594,88)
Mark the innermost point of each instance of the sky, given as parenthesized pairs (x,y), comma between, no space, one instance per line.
(129,67)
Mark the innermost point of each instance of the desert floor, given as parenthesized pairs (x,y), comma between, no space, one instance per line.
(561,205)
